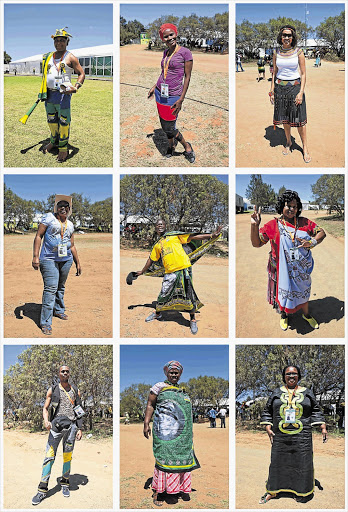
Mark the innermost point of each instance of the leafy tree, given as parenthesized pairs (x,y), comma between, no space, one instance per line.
(134,400)
(101,214)
(153,28)
(7,58)
(130,30)
(259,368)
(332,31)
(200,201)
(259,192)
(252,36)
(205,390)
(281,190)
(26,382)
(18,213)
(329,191)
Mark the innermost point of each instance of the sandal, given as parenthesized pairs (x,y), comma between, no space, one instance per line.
(286,150)
(156,501)
(306,158)
(190,155)
(62,316)
(263,500)
(46,329)
(47,149)
(61,158)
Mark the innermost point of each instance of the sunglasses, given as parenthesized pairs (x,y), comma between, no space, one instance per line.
(287,35)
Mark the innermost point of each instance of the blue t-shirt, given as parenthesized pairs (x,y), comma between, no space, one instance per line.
(52,237)
(212,413)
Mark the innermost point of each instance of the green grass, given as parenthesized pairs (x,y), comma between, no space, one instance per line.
(331,224)
(91,125)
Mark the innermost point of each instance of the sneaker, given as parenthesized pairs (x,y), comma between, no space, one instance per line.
(193,326)
(38,498)
(153,316)
(312,322)
(284,323)
(65,491)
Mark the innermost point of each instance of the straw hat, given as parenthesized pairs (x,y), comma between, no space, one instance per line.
(61,197)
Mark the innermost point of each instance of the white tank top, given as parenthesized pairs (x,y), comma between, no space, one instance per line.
(54,77)
(287,63)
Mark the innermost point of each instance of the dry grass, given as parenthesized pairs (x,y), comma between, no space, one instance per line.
(143,143)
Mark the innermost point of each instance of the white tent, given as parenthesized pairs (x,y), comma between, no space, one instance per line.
(95,60)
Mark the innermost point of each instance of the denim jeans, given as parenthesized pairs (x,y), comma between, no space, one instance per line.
(54,275)
(239,64)
(223,421)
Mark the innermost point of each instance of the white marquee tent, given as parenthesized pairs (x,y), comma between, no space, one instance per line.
(95,60)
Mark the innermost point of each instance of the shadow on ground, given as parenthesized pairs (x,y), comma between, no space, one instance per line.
(172,316)
(30,310)
(161,142)
(323,310)
(42,143)
(170,499)
(276,137)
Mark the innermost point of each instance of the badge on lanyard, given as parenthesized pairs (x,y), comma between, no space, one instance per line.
(164,91)
(62,250)
(294,254)
(290,415)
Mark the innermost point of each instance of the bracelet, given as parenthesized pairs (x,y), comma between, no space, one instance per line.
(314,242)
(271,93)
(78,84)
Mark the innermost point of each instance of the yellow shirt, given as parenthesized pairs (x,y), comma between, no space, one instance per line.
(173,255)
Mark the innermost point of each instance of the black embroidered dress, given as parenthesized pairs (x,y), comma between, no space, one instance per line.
(291,469)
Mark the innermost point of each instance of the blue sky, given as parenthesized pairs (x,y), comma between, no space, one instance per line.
(28,27)
(299,182)
(258,13)
(10,354)
(39,186)
(146,13)
(144,363)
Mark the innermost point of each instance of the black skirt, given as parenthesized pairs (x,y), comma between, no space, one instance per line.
(285,110)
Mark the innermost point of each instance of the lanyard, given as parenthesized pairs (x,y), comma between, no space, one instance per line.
(291,395)
(166,64)
(61,228)
(72,401)
(292,236)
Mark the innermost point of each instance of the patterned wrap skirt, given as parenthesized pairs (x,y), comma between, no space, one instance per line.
(285,110)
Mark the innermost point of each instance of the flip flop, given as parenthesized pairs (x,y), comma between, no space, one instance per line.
(61,159)
(46,329)
(263,500)
(307,158)
(62,316)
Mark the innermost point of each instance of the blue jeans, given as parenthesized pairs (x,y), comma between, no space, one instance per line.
(239,64)
(54,275)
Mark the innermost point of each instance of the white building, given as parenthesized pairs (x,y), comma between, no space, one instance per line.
(95,60)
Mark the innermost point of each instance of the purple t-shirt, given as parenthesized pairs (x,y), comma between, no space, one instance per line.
(176,70)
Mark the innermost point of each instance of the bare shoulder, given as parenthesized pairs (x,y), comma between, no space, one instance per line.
(71,59)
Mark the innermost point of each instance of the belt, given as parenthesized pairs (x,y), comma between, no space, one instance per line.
(297,81)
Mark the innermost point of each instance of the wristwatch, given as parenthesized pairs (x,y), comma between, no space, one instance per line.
(78,85)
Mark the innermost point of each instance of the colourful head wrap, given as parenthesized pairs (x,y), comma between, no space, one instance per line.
(173,365)
(165,26)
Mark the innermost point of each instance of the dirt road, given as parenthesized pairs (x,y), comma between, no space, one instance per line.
(259,320)
(253,450)
(90,480)
(203,122)
(88,298)
(210,280)
(259,145)
(209,483)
